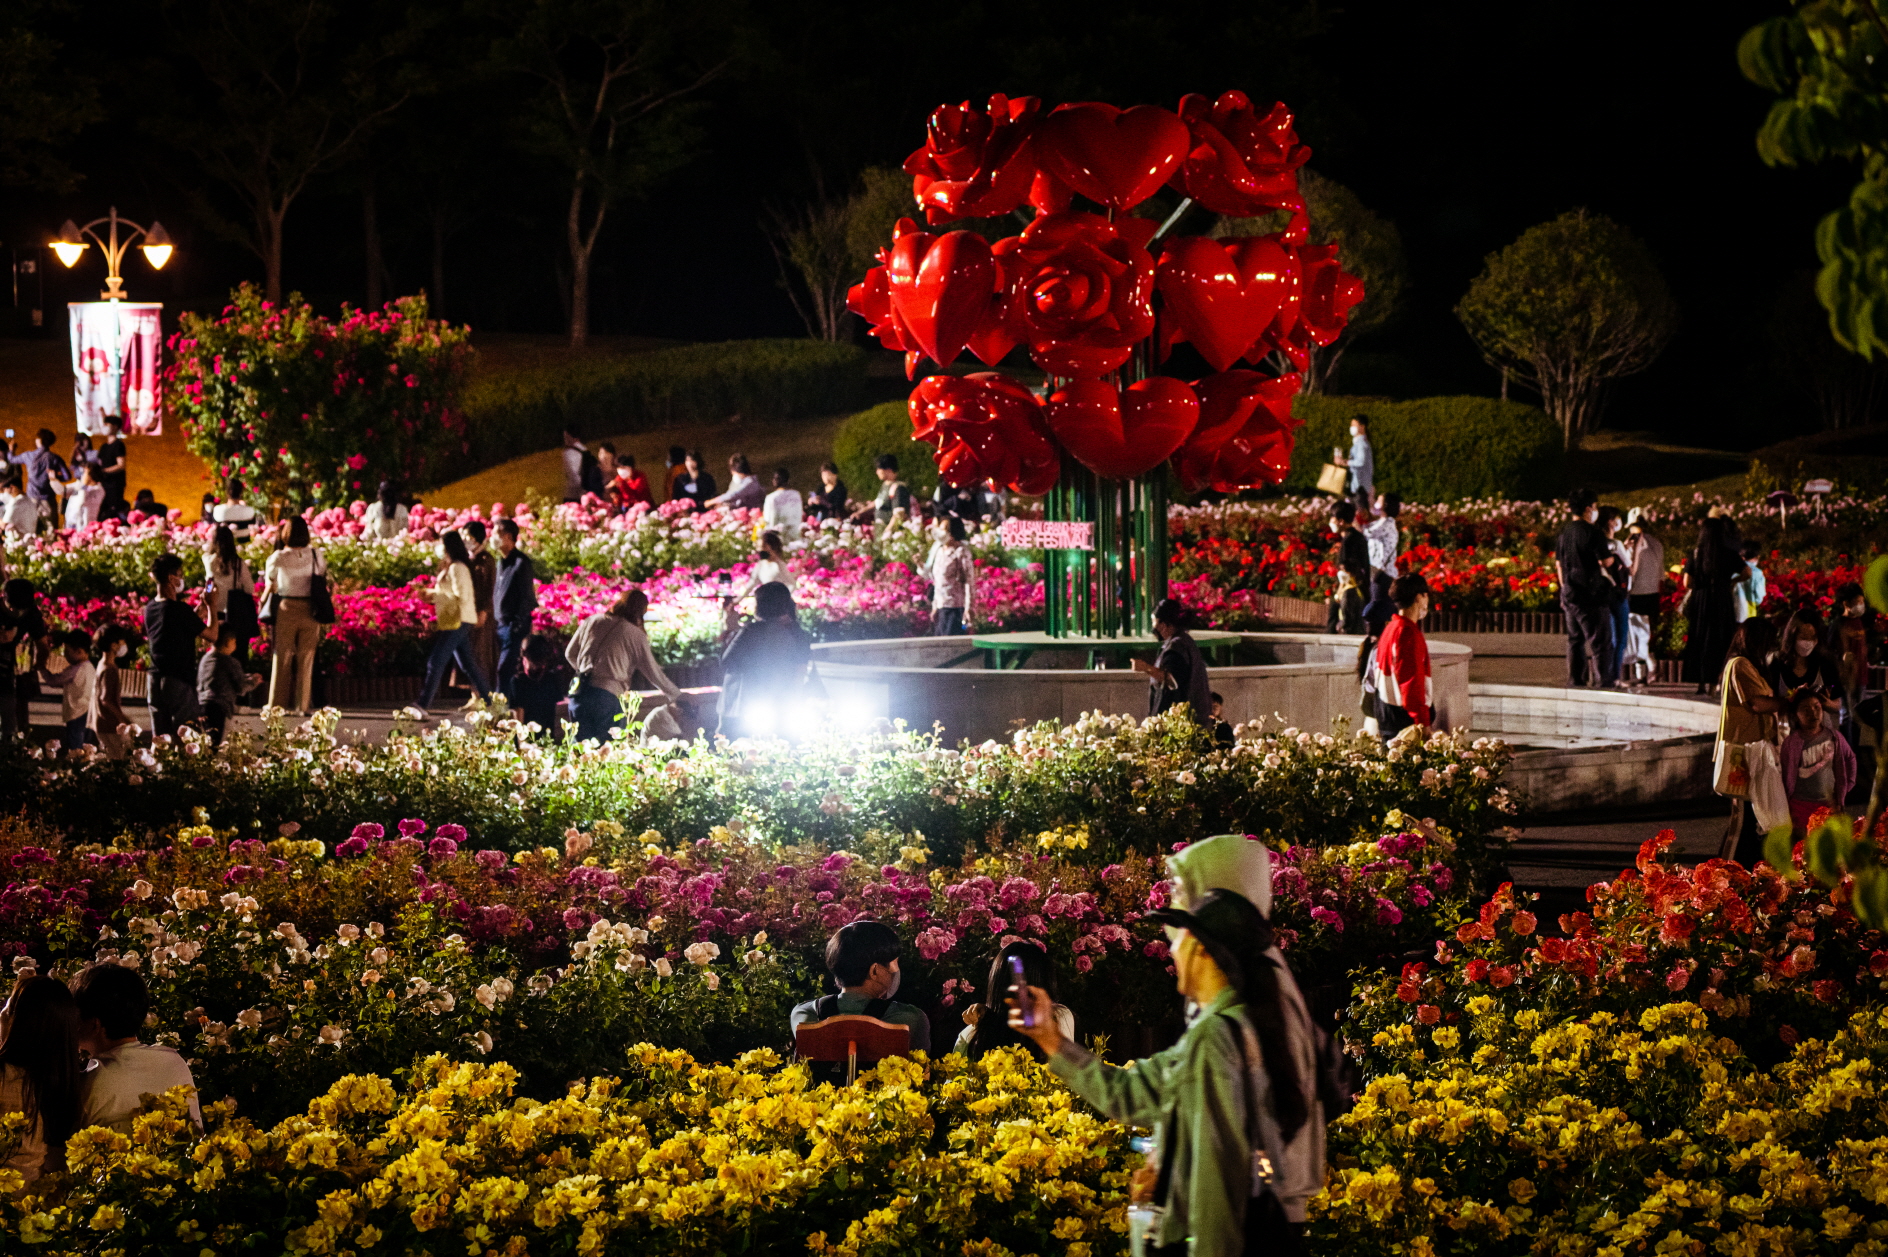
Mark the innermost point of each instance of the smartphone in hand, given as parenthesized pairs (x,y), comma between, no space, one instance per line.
(1019,986)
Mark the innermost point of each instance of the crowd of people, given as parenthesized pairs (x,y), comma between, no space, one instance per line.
(39,489)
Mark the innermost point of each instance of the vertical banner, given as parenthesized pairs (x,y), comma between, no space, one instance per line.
(117,349)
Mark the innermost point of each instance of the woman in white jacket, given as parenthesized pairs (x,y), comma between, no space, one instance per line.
(455,602)
(288,582)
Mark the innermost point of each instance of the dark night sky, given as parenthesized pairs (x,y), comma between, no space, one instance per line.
(1464,122)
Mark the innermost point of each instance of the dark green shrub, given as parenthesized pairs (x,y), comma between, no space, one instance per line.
(763,381)
(883,429)
(1436,449)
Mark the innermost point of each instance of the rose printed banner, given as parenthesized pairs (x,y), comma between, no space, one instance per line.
(117,349)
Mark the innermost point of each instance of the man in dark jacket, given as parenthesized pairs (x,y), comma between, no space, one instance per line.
(514,598)
(1586,592)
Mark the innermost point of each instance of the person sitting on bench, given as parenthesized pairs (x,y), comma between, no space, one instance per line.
(863,960)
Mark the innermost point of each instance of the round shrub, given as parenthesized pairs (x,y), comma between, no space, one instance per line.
(1436,449)
(883,429)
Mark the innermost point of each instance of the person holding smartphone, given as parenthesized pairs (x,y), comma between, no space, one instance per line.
(1238,1126)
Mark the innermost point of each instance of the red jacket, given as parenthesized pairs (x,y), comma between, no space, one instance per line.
(1403,668)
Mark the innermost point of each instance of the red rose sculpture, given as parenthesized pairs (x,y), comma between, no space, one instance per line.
(1125,433)
(1079,291)
(1221,295)
(1117,157)
(1240,162)
(1244,434)
(986,427)
(931,295)
(975,163)
(1325,295)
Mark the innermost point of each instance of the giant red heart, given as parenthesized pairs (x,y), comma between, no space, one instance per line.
(1121,434)
(1244,434)
(1118,157)
(941,288)
(1220,295)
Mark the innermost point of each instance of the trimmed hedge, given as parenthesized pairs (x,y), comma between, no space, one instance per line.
(884,429)
(1436,449)
(764,381)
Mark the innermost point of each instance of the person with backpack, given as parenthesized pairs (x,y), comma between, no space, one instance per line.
(863,961)
(1238,1124)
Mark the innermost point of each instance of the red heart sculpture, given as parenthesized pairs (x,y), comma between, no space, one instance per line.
(986,426)
(1118,157)
(1220,295)
(1121,434)
(941,288)
(1244,434)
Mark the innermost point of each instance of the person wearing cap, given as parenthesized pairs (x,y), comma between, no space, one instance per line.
(1236,1117)
(1178,673)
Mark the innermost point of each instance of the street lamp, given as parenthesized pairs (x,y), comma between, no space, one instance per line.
(70,245)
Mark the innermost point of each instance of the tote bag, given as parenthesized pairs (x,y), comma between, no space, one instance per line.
(1333,479)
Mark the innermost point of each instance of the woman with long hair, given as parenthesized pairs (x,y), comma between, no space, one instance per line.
(989,1022)
(289,584)
(1747,718)
(1710,607)
(232,589)
(386,515)
(1805,666)
(40,1071)
(456,604)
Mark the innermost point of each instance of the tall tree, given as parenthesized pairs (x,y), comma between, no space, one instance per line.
(1828,63)
(268,94)
(826,245)
(1370,247)
(43,103)
(1572,305)
(616,82)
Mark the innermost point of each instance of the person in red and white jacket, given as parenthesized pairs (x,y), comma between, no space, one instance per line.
(1402,661)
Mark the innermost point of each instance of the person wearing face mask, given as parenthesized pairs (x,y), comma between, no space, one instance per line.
(114,650)
(1586,593)
(863,961)
(1344,609)
(1802,667)
(1361,465)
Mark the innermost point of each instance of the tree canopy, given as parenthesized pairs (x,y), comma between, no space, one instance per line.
(1828,63)
(1572,305)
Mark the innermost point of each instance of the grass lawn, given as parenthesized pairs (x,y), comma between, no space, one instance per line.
(801,446)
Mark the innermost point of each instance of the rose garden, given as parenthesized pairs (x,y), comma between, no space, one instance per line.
(460,985)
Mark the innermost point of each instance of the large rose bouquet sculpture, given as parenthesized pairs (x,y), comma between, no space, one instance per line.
(1098,298)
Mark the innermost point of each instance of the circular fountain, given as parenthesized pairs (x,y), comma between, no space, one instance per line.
(1303,679)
